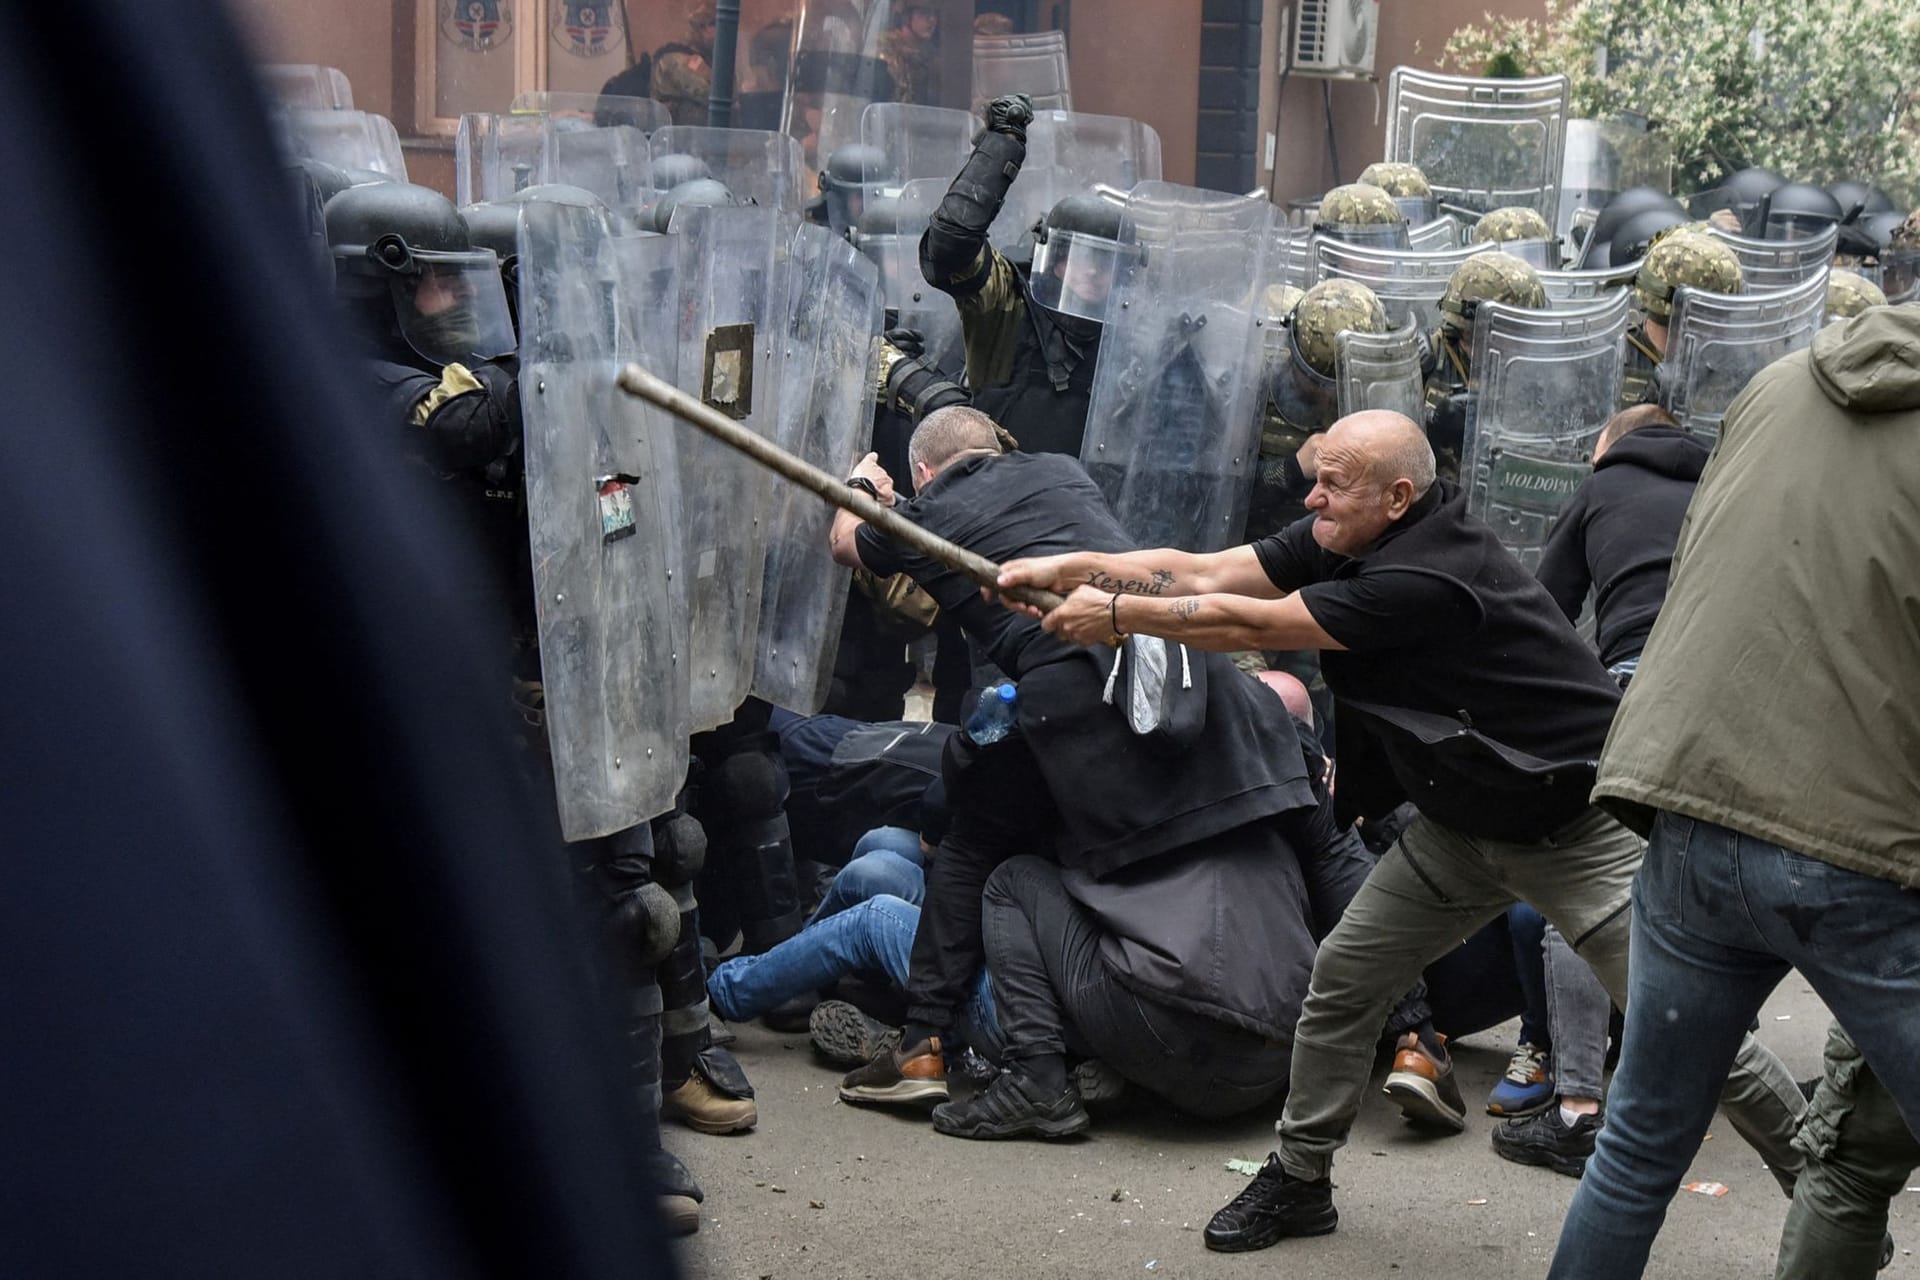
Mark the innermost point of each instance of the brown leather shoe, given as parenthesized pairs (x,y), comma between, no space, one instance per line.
(680,1214)
(704,1109)
(920,1077)
(1424,1088)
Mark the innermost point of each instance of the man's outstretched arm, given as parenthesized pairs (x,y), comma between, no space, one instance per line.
(1165,572)
(1220,622)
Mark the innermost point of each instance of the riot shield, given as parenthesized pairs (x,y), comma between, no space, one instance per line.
(757,165)
(1602,158)
(1070,153)
(1716,342)
(495,156)
(1577,289)
(307,87)
(1483,144)
(348,139)
(1173,424)
(829,329)
(611,623)
(889,234)
(1546,382)
(611,162)
(733,272)
(1430,237)
(601,109)
(1770,265)
(1410,285)
(848,54)
(918,142)
(1034,64)
(1380,371)
(1900,275)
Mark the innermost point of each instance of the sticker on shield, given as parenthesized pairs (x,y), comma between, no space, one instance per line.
(616,506)
(727,380)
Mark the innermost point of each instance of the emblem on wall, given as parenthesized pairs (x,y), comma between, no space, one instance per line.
(587,28)
(476,24)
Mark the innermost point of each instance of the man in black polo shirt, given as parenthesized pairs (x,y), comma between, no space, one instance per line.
(1075,781)
(1460,687)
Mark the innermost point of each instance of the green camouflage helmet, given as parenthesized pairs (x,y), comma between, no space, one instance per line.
(1279,301)
(1907,234)
(1687,259)
(1358,205)
(1326,309)
(1515,222)
(1849,293)
(1404,181)
(1489,277)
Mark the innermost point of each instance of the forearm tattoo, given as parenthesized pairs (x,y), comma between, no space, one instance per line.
(1156,584)
(1183,608)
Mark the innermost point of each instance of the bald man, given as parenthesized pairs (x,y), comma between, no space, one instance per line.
(1461,687)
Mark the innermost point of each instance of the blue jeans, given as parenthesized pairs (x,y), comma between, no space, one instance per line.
(1718,919)
(886,860)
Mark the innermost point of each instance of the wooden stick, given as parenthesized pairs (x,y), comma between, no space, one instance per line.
(636,381)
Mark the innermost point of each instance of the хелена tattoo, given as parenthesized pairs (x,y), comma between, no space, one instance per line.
(1155,586)
(1184,607)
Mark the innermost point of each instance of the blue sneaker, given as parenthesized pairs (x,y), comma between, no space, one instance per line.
(1527,1087)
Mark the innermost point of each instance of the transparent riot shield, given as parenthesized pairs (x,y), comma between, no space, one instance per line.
(1900,275)
(918,142)
(1173,425)
(348,139)
(1577,289)
(1546,384)
(1408,284)
(600,109)
(889,234)
(1770,265)
(828,341)
(1070,153)
(757,165)
(307,87)
(1380,371)
(1602,158)
(1716,342)
(848,54)
(1483,144)
(610,618)
(495,156)
(733,287)
(611,162)
(1428,237)
(1034,64)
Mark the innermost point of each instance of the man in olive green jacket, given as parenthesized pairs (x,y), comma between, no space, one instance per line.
(1771,744)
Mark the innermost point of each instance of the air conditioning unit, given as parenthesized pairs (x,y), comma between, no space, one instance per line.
(1335,37)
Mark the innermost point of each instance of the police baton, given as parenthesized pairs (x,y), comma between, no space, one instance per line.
(637,382)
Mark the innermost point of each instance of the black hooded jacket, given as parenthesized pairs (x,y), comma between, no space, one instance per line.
(1617,536)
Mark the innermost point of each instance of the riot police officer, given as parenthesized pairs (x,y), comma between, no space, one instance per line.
(843,185)
(1485,277)
(1680,258)
(1407,184)
(1362,214)
(1520,231)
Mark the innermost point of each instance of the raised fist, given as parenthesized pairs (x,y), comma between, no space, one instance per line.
(1010,114)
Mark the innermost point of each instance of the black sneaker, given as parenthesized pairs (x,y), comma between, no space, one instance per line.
(1548,1141)
(847,1037)
(1275,1206)
(1013,1106)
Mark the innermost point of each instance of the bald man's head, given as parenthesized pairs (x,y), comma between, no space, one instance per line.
(1372,467)
(1292,692)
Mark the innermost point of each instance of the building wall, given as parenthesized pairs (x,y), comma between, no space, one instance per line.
(1147,67)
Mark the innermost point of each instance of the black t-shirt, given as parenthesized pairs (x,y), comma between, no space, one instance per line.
(1471,694)
(1002,506)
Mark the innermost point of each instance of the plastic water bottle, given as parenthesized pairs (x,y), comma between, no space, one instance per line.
(992,720)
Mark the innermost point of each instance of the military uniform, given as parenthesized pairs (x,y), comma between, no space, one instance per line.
(1682,256)
(1486,277)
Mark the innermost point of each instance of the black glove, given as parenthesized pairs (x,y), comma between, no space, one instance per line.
(1010,113)
(907,342)
(1447,421)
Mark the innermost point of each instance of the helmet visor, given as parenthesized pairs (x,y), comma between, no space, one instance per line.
(1417,210)
(453,308)
(1074,273)
(1372,235)
(1303,397)
(1795,226)
(1900,275)
(1543,254)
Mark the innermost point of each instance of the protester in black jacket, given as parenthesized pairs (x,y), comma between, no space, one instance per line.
(1617,534)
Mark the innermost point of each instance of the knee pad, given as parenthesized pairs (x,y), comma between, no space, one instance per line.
(679,849)
(744,799)
(647,922)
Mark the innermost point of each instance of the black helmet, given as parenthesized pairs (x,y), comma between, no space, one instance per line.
(844,182)
(1597,249)
(699,192)
(1795,211)
(674,168)
(495,225)
(1858,199)
(1632,238)
(328,179)
(408,245)
(1741,193)
(881,217)
(1085,215)
(1077,256)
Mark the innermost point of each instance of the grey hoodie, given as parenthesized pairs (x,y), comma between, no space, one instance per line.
(1779,693)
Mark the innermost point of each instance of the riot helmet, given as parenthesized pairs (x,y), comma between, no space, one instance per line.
(1740,194)
(1487,277)
(1849,293)
(1597,250)
(1685,259)
(1520,231)
(688,195)
(327,179)
(672,169)
(403,253)
(1634,237)
(1795,211)
(1408,186)
(495,225)
(1302,387)
(1858,199)
(844,179)
(1363,214)
(1077,256)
